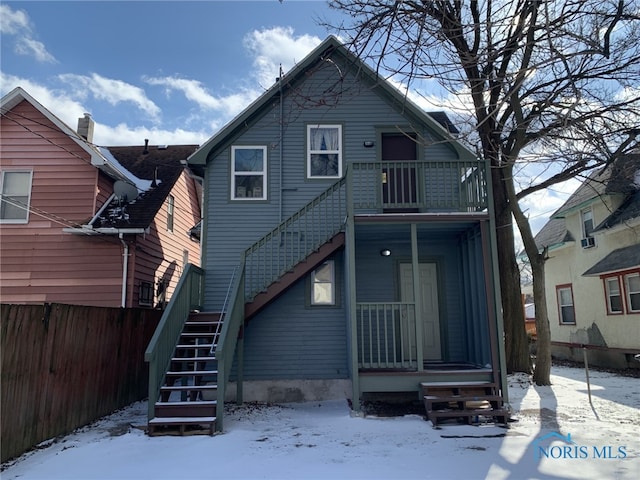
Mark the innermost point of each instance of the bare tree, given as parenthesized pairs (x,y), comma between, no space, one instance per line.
(551,82)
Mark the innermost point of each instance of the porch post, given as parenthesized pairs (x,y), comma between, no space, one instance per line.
(350,287)
(494,302)
(417,296)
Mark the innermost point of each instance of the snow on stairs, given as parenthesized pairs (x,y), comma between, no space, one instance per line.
(463,402)
(187,402)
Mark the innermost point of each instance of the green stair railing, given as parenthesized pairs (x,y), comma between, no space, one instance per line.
(187,296)
(227,341)
(295,238)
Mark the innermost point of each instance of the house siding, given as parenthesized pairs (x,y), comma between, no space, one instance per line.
(159,254)
(289,340)
(40,263)
(234,225)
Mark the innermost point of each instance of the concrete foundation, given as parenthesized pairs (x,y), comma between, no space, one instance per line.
(290,391)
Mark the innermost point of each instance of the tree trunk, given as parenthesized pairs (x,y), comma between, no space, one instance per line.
(516,342)
(542,372)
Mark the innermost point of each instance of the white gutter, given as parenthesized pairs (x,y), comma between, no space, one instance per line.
(125,267)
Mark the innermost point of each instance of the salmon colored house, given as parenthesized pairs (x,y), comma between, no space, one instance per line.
(88,225)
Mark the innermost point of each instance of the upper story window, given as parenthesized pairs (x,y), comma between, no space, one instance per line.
(324,154)
(632,286)
(15,189)
(586,219)
(248,173)
(566,311)
(170,208)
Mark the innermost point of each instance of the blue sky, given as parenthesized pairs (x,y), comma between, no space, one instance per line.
(170,71)
(173,72)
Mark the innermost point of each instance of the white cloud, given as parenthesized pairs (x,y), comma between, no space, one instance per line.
(195,92)
(274,47)
(13,22)
(16,23)
(123,134)
(112,91)
(30,47)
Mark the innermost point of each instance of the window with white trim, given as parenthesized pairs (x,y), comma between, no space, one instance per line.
(248,172)
(324,151)
(566,311)
(632,287)
(614,295)
(586,216)
(15,196)
(323,284)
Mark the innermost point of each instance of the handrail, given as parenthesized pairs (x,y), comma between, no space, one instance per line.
(227,340)
(224,308)
(430,185)
(187,296)
(295,238)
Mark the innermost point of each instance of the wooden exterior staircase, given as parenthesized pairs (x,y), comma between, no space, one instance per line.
(188,397)
(469,403)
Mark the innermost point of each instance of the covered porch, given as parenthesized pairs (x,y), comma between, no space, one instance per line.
(423,302)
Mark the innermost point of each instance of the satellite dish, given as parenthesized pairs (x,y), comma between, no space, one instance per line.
(125,191)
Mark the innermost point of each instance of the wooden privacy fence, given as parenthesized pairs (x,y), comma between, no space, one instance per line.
(64,366)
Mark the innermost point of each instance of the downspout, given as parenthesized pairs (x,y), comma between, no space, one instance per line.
(125,268)
(281,143)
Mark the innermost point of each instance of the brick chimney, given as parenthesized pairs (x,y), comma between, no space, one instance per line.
(85,127)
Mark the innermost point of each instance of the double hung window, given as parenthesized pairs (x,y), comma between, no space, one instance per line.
(566,309)
(15,196)
(248,172)
(324,151)
(632,287)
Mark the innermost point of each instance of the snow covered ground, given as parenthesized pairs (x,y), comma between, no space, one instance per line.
(557,434)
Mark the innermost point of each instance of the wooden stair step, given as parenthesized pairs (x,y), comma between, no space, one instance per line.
(180,388)
(198,403)
(458,384)
(461,398)
(188,373)
(193,359)
(181,423)
(200,345)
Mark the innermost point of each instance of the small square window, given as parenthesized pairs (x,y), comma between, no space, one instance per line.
(145,297)
(324,151)
(566,309)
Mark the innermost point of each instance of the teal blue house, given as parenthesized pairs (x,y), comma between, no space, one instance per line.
(347,251)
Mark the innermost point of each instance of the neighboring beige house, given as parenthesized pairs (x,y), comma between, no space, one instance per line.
(593,270)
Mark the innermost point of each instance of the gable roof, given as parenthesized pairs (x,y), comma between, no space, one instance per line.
(161,166)
(622,177)
(18,94)
(438,121)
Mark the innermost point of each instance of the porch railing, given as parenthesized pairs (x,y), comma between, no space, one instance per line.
(386,335)
(295,238)
(451,185)
(187,296)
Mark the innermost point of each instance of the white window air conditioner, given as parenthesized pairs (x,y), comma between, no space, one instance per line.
(588,242)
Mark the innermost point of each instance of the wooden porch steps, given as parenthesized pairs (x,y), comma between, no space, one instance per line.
(463,402)
(186,403)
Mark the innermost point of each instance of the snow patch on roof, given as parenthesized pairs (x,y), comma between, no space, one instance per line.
(141,184)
